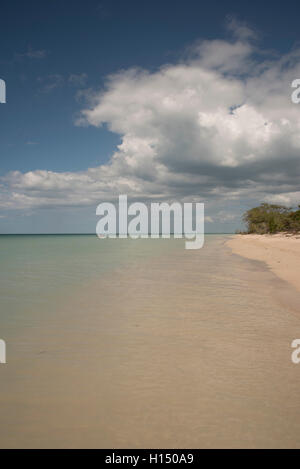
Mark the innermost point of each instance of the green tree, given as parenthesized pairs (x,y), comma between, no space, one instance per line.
(270,218)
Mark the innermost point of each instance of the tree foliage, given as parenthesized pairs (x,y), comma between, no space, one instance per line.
(268,218)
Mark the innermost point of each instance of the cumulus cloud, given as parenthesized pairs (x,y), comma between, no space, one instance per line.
(217,126)
(288,199)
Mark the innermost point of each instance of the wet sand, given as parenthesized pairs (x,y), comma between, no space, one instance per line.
(280,252)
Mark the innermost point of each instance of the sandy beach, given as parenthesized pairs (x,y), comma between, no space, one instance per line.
(141,343)
(280,252)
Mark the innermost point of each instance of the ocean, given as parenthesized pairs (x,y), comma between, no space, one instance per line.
(120,343)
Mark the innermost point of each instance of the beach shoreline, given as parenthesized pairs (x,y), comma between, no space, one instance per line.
(281,253)
(158,347)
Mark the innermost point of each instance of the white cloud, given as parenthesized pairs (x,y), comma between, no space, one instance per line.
(217,126)
(287,199)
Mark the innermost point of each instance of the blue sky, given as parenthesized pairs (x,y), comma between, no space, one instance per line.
(55,57)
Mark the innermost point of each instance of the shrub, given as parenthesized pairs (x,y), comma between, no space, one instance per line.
(268,218)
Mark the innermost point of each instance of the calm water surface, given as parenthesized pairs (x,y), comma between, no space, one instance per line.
(141,343)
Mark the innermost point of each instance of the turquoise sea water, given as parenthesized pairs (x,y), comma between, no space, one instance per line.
(37,268)
(141,343)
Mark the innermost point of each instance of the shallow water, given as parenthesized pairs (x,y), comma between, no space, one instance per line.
(136,344)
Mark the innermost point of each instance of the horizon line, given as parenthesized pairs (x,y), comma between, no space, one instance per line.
(94,234)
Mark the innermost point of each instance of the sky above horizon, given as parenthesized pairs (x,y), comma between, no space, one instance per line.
(162,101)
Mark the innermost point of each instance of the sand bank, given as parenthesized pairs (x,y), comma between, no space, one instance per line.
(280,252)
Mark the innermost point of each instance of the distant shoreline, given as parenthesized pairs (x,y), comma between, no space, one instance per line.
(281,252)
